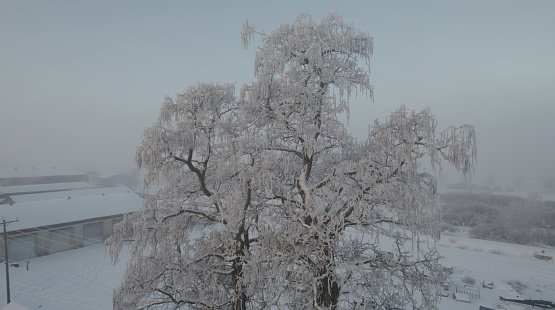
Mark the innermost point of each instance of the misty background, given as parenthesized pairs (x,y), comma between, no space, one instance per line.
(80,80)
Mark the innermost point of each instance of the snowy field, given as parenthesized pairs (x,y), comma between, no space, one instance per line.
(84,279)
(500,263)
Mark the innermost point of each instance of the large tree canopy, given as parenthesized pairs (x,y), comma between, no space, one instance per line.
(264,200)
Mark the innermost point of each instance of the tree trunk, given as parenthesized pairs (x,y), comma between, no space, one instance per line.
(328,291)
(242,244)
(241,297)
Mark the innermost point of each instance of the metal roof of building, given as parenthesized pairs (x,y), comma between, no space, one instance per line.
(82,205)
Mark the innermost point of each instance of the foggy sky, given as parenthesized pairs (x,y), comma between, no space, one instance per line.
(80,80)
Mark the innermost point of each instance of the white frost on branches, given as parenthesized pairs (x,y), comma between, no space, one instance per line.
(265,201)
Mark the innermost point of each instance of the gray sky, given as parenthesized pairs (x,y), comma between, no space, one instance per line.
(80,80)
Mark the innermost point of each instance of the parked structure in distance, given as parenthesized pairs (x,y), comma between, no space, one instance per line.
(60,216)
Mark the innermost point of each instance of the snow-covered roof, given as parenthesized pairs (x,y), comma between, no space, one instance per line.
(97,191)
(90,204)
(34,188)
(110,174)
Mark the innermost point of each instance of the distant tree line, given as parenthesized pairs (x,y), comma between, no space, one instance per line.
(527,221)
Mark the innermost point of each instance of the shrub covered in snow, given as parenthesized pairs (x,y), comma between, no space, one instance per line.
(512,219)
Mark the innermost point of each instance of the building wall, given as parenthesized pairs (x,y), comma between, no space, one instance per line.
(77,235)
(43,243)
(61,239)
(49,240)
(20,247)
(93,233)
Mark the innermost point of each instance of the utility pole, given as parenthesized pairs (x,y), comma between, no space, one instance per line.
(4,223)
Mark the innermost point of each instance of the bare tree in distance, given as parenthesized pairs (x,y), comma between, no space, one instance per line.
(265,200)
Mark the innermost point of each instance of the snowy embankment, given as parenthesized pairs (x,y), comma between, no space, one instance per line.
(84,279)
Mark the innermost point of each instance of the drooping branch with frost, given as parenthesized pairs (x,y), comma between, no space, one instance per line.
(192,232)
(335,192)
(266,201)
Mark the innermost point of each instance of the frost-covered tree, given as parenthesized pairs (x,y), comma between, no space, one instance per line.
(265,201)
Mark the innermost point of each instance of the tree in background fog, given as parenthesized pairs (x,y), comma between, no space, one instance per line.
(264,199)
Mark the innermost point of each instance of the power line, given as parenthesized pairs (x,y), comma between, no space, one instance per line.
(70,277)
(78,275)
(4,223)
(24,249)
(53,232)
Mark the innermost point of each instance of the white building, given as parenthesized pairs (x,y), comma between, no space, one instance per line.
(50,222)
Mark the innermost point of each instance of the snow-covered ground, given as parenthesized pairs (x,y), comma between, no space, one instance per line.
(84,278)
(76,279)
(500,263)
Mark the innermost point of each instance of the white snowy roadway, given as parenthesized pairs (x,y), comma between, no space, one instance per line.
(513,268)
(84,279)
